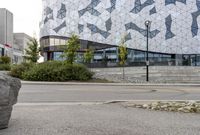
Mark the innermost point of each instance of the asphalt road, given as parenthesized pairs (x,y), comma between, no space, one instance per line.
(93,93)
(80,110)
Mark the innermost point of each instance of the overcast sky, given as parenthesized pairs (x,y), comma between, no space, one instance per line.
(27,14)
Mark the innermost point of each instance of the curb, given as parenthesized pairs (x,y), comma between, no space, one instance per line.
(107,84)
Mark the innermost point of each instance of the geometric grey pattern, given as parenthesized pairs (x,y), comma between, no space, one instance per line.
(175,23)
(194,27)
(198,4)
(80,28)
(142,31)
(48,11)
(128,37)
(152,11)
(167,2)
(94,29)
(62,12)
(57,29)
(108,24)
(49,14)
(138,6)
(90,9)
(153,33)
(112,8)
(195,15)
(168,23)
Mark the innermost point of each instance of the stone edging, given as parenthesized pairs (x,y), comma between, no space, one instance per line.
(105,84)
(171,106)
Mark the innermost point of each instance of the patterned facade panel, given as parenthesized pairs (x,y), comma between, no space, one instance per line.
(174,28)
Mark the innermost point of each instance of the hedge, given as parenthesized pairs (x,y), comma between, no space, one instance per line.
(5,67)
(52,71)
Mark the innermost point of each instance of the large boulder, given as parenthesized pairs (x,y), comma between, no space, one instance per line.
(9,88)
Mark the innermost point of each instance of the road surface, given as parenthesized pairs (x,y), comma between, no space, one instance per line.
(80,110)
(96,93)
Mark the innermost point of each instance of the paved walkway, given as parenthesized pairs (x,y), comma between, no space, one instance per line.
(87,119)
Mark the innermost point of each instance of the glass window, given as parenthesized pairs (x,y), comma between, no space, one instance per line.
(57,56)
(139,56)
(52,42)
(42,42)
(62,42)
(57,41)
(47,42)
(198,60)
(45,56)
(151,55)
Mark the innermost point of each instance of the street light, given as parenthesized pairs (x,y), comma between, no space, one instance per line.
(147,24)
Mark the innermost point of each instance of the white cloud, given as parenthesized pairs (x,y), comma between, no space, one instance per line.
(27,14)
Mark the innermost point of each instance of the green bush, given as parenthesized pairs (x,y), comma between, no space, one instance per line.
(5,63)
(4,67)
(80,72)
(5,60)
(57,71)
(18,70)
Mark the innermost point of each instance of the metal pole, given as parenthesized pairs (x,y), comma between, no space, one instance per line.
(196,60)
(147,56)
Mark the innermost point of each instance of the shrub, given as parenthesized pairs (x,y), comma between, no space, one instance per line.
(57,71)
(18,70)
(4,67)
(80,72)
(5,60)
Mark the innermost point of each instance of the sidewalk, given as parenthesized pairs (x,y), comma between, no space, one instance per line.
(108,84)
(98,120)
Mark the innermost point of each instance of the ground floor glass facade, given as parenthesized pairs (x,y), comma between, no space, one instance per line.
(134,58)
(52,48)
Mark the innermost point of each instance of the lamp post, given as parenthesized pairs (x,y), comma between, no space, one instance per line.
(147,24)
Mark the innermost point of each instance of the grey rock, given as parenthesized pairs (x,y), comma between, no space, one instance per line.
(178,106)
(164,106)
(9,89)
(139,106)
(145,106)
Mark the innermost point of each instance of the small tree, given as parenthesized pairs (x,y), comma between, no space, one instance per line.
(88,55)
(72,47)
(105,60)
(32,53)
(123,55)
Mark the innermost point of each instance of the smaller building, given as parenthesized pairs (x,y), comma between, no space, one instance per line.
(1,50)
(11,44)
(6,32)
(20,45)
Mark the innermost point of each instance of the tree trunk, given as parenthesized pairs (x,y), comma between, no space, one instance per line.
(123,72)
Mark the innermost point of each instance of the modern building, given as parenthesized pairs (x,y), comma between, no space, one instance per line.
(20,45)
(6,32)
(174,35)
(1,50)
